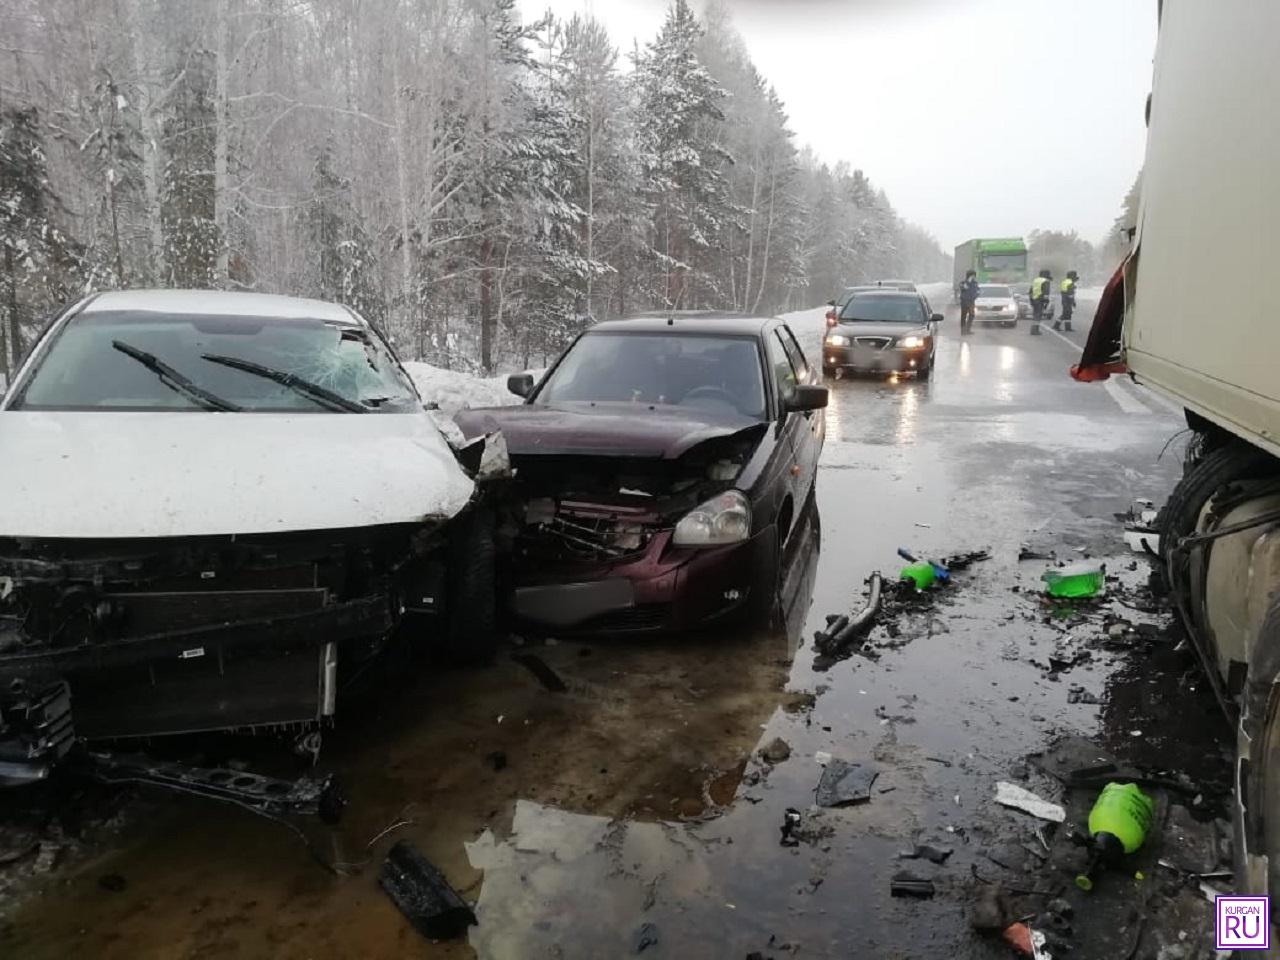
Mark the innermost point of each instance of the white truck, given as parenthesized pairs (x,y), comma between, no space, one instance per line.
(1192,314)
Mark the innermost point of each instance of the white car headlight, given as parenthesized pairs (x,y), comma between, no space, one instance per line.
(725,518)
(838,341)
(911,342)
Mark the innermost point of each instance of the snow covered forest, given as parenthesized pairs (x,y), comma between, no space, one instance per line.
(478,185)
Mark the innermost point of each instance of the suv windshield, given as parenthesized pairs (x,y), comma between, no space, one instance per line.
(990,290)
(127,360)
(877,308)
(721,374)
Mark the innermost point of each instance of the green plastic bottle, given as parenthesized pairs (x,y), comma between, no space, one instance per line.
(921,574)
(1118,824)
(1083,579)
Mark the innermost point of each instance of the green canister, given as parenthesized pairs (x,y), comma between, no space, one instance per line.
(921,574)
(1118,824)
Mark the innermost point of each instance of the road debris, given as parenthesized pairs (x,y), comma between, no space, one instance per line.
(845,783)
(775,751)
(924,851)
(1028,942)
(423,895)
(790,824)
(538,667)
(907,885)
(646,937)
(1075,581)
(1012,795)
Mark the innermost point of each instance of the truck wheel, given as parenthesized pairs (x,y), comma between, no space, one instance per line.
(471,619)
(1257,826)
(1179,515)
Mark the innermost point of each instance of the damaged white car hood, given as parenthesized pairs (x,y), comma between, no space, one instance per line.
(120,475)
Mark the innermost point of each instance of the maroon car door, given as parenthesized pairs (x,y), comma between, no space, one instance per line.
(809,439)
(791,425)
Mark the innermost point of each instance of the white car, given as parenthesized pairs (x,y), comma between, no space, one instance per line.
(996,304)
(216,509)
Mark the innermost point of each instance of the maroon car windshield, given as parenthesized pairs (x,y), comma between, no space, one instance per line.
(721,374)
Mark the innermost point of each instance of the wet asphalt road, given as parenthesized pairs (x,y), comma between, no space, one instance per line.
(637,798)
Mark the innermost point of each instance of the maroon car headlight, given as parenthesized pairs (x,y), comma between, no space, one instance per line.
(724,519)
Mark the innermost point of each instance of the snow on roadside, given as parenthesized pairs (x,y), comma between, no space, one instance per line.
(452,390)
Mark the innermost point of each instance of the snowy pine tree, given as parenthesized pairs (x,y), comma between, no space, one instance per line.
(41,265)
(682,162)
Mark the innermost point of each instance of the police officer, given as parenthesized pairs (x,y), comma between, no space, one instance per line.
(1039,294)
(968,297)
(1068,291)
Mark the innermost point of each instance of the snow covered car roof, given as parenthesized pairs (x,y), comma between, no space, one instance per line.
(221,303)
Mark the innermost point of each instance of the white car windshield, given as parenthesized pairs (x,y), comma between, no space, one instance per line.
(136,360)
(994,291)
(720,374)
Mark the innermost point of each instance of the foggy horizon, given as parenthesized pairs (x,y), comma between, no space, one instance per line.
(949,160)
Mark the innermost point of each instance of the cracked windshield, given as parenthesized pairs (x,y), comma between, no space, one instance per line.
(822,498)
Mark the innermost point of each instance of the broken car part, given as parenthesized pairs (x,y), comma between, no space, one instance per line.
(305,796)
(907,885)
(423,895)
(1019,798)
(844,783)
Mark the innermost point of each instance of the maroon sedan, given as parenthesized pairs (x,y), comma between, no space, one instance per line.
(659,466)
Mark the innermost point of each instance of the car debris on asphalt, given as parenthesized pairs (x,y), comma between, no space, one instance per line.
(423,895)
(844,783)
(1011,795)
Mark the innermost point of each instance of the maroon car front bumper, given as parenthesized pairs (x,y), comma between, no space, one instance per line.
(667,588)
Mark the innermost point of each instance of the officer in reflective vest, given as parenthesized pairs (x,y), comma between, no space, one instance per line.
(1039,295)
(1068,291)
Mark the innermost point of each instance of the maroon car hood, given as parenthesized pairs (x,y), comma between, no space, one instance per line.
(602,429)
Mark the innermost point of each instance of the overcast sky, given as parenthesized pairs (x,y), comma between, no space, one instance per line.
(978,117)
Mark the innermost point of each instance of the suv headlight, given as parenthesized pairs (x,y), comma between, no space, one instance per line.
(838,340)
(911,342)
(725,518)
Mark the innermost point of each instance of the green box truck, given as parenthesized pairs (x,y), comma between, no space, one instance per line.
(997,260)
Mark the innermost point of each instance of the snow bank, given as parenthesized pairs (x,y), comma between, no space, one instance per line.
(452,390)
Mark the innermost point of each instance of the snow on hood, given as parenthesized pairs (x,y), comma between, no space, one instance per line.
(121,475)
(603,429)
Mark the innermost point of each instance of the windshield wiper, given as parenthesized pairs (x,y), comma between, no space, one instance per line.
(312,391)
(175,381)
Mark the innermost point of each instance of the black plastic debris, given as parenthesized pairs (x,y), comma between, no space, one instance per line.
(962,561)
(925,851)
(646,937)
(790,823)
(538,667)
(423,895)
(843,783)
(907,885)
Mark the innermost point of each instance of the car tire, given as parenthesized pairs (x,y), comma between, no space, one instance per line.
(828,371)
(471,612)
(1010,324)
(1180,513)
(1256,827)
(925,372)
